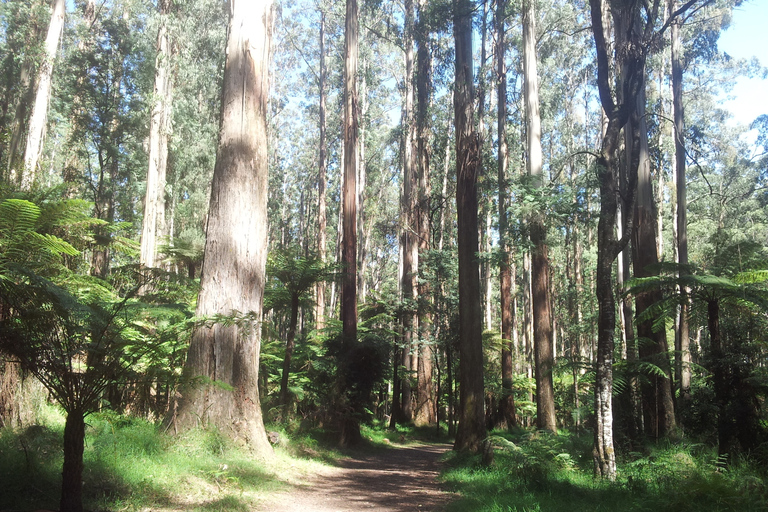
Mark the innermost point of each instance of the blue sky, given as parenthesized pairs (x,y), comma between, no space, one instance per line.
(747,37)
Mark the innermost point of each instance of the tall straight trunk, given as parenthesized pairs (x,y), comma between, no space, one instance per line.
(39,115)
(507,401)
(233,276)
(72,470)
(635,28)
(350,428)
(683,349)
(360,186)
(26,85)
(426,404)
(542,316)
(409,218)
(153,226)
(72,170)
(658,406)
(608,247)
(322,221)
(485,208)
(471,431)
(349,188)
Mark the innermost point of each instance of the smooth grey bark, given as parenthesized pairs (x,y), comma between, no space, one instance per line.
(409,218)
(154,225)
(322,221)
(658,405)
(39,116)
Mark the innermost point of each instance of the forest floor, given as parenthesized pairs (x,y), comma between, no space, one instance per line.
(398,479)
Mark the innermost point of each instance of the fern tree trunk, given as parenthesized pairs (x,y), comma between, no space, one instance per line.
(72,471)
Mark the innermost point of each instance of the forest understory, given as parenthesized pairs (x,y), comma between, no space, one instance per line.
(256,248)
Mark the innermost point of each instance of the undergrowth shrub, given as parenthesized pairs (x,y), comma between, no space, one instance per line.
(540,471)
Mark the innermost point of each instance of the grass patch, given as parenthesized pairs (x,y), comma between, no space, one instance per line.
(541,472)
(131,465)
(379,434)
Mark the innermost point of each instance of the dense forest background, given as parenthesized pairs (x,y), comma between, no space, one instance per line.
(609,181)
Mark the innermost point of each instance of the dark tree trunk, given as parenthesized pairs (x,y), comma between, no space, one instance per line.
(507,401)
(350,427)
(285,398)
(720,377)
(349,192)
(72,471)
(472,430)
(658,406)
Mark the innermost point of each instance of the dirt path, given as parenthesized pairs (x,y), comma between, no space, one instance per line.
(402,479)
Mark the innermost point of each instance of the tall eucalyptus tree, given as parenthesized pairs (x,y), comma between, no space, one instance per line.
(471,431)
(154,223)
(641,31)
(39,116)
(235,252)
(542,313)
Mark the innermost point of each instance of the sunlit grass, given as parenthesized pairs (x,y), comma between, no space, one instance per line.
(131,465)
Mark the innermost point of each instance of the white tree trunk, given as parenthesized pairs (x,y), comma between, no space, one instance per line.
(153,226)
(39,116)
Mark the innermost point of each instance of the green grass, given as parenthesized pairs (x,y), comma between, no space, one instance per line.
(131,465)
(541,472)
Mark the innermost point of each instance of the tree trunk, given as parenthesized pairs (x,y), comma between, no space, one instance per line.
(683,348)
(426,406)
(321,199)
(26,86)
(289,345)
(720,378)
(72,470)
(409,218)
(235,251)
(658,406)
(542,317)
(350,428)
(153,226)
(507,401)
(39,116)
(349,192)
(471,431)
